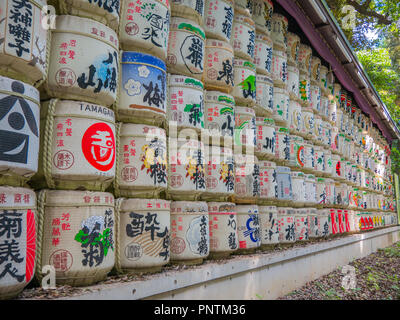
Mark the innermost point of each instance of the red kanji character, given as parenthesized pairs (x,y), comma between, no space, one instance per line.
(56,222)
(55,242)
(66,227)
(3,198)
(56,232)
(17,198)
(65,216)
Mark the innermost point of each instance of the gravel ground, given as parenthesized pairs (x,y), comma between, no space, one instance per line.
(377,277)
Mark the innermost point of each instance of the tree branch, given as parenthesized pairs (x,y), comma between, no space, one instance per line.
(364,10)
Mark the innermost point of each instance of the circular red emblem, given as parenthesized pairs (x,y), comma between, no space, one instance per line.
(131,28)
(98,146)
(65,77)
(177,245)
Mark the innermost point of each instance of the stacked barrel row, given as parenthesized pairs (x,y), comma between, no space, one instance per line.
(197,88)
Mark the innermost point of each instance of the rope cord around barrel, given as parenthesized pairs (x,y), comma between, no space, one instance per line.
(118,204)
(39,231)
(47,143)
(117,190)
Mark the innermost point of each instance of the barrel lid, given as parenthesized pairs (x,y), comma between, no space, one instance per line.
(240,18)
(216,96)
(14,197)
(20,88)
(175,80)
(144,205)
(244,64)
(142,130)
(181,207)
(221,207)
(219,43)
(142,58)
(72,198)
(246,209)
(265,121)
(245,110)
(85,26)
(263,38)
(182,24)
(264,78)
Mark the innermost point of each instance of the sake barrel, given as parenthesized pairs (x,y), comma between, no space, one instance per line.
(305,89)
(332,113)
(335,140)
(343,99)
(186,169)
(315,70)
(269,227)
(328,163)
(243,37)
(143,89)
(19,133)
(338,195)
(78,146)
(333,220)
(313,222)
(106,12)
(297,152)
(78,73)
(305,54)
(220,173)
(308,123)
(268,184)
(279,68)
(316,136)
(244,7)
(315,102)
(287,232)
(223,229)
(298,188)
(284,182)
(264,96)
(324,222)
(323,83)
(249,234)
(268,12)
(337,172)
(279,31)
(320,189)
(320,161)
(263,54)
(186,102)
(293,48)
(295,117)
(245,128)
(309,157)
(145,27)
(244,78)
(247,178)
(143,235)
(345,189)
(17,239)
(190,233)
(330,191)
(219,117)
(189,9)
(24,48)
(327,134)
(310,185)
(336,93)
(293,82)
(266,138)
(76,235)
(301,225)
(324,112)
(218,68)
(281,106)
(218,19)
(186,47)
(141,161)
(282,145)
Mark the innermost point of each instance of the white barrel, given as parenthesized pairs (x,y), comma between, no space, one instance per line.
(78,73)
(17,239)
(186,48)
(263,54)
(143,235)
(223,228)
(301,224)
(76,235)
(320,161)
(244,75)
(268,184)
(279,31)
(269,225)
(287,233)
(315,70)
(282,145)
(264,95)
(243,37)
(186,169)
(279,68)
(310,195)
(141,161)
(324,112)
(218,66)
(218,19)
(284,182)
(219,117)
(313,222)
(324,226)
(188,9)
(305,89)
(339,193)
(305,54)
(247,178)
(145,27)
(328,163)
(323,83)
(332,112)
(248,219)
(143,89)
(330,191)
(245,128)
(293,82)
(320,189)
(308,122)
(186,102)
(315,102)
(293,48)
(24,46)
(298,188)
(295,117)
(266,138)
(281,106)
(317,135)
(309,157)
(262,11)
(19,131)
(297,152)
(244,7)
(78,146)
(190,233)
(220,173)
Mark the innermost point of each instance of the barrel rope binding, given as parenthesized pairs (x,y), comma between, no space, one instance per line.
(39,222)
(118,204)
(116,105)
(117,189)
(47,143)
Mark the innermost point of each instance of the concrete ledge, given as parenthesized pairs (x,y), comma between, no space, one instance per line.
(265,275)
